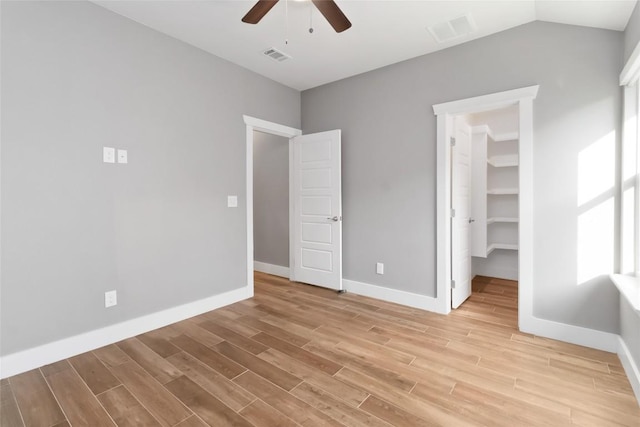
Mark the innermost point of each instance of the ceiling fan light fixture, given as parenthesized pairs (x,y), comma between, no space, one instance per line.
(328,8)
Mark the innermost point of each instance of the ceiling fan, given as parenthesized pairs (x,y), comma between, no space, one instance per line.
(328,8)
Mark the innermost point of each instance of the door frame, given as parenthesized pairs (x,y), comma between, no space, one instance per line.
(253,124)
(445,112)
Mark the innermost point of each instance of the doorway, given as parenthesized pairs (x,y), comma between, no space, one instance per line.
(271,203)
(445,113)
(495,192)
(315,203)
(253,124)
(485,179)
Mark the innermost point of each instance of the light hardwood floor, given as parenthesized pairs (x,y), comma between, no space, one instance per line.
(297,355)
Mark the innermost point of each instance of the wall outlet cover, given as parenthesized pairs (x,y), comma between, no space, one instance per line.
(232,201)
(108,154)
(379,268)
(110,299)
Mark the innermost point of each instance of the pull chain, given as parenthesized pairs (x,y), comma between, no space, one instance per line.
(310,19)
(286,21)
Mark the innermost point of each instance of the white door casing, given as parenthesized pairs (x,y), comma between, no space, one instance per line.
(316,194)
(461,204)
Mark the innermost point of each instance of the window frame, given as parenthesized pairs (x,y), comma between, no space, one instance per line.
(630,180)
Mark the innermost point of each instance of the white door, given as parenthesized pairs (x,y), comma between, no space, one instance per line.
(478,226)
(461,201)
(316,193)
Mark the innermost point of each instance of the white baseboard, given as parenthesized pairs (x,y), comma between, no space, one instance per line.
(276,270)
(578,335)
(393,295)
(36,357)
(630,367)
(498,273)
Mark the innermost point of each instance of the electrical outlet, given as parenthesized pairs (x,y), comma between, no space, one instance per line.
(110,299)
(122,156)
(379,268)
(108,154)
(232,201)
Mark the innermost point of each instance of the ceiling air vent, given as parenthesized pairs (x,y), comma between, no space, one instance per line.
(276,55)
(453,29)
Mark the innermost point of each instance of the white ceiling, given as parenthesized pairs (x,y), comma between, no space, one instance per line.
(383,32)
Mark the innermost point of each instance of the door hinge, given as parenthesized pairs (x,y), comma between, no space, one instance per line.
(453,141)
(453,284)
(453,213)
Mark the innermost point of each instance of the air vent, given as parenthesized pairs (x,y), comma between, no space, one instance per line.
(453,29)
(276,55)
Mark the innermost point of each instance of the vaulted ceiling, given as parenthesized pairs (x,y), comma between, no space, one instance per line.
(383,32)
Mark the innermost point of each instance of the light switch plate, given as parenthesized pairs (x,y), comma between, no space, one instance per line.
(108,154)
(232,201)
(122,156)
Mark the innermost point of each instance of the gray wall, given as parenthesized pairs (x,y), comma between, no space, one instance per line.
(502,264)
(632,33)
(389,148)
(630,328)
(271,199)
(75,78)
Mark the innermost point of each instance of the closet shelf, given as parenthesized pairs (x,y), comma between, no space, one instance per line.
(503,161)
(510,136)
(505,246)
(500,191)
(495,219)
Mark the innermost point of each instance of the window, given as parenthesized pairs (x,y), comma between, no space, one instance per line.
(630,183)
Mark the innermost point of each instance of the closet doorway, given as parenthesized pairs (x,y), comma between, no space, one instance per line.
(485,182)
(484,199)
(519,103)
(494,193)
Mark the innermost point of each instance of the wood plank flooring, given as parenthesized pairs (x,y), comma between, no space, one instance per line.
(298,355)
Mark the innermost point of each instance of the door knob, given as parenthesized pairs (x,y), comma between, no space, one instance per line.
(333,218)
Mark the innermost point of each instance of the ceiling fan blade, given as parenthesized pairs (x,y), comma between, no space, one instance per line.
(258,11)
(332,13)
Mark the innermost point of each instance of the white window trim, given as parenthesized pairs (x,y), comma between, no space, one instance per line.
(627,284)
(629,287)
